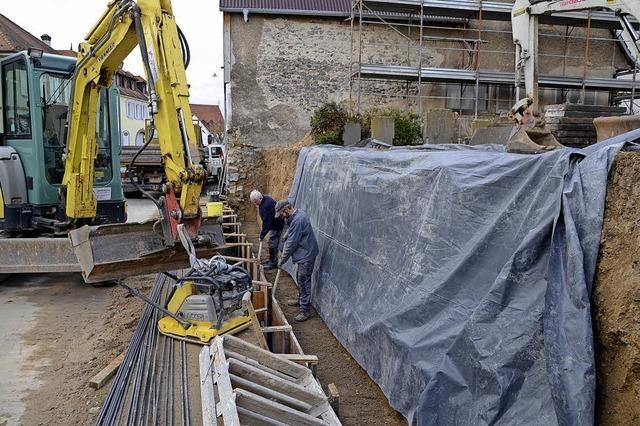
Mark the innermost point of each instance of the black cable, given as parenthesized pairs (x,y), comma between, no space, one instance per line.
(186,52)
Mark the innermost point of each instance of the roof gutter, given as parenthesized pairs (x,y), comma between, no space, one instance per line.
(335,14)
(298,12)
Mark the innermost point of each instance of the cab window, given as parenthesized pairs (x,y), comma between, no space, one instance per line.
(17,117)
(56,96)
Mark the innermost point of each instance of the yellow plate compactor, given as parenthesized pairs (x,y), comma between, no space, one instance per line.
(205,302)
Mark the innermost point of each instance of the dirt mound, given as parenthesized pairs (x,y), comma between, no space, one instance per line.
(617,299)
(279,167)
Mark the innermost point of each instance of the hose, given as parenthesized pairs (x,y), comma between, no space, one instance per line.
(184,45)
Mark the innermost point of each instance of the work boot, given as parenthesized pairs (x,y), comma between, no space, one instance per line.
(293,302)
(302,316)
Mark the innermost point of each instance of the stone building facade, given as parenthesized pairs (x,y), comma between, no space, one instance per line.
(283,62)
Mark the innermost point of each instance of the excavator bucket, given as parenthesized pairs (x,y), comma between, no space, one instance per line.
(109,252)
(534,140)
(608,127)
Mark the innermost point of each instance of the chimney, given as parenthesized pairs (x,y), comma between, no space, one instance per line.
(46,38)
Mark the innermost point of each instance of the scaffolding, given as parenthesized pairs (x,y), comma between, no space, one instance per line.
(452,27)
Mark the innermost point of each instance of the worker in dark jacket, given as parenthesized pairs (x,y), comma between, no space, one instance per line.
(270,225)
(301,246)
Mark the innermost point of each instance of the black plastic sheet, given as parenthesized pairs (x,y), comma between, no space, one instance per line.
(459,278)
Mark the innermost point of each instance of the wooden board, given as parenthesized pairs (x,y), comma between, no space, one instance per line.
(100,379)
(206,388)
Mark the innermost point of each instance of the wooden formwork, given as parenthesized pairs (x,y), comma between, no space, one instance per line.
(274,324)
(244,384)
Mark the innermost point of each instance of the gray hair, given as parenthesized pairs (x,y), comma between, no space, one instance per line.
(255,196)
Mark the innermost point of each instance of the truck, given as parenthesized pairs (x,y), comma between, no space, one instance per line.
(147,172)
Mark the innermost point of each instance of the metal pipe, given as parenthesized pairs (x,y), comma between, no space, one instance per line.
(185,386)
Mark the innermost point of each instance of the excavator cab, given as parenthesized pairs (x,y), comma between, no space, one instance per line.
(35,92)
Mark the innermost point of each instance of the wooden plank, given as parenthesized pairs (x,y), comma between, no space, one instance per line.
(262,283)
(100,379)
(265,357)
(251,418)
(255,324)
(309,359)
(227,405)
(266,379)
(238,259)
(249,386)
(275,284)
(276,328)
(206,388)
(246,360)
(242,245)
(265,407)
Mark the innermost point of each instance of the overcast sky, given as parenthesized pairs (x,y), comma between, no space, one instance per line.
(67,22)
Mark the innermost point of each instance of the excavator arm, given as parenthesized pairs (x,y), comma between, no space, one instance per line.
(120,250)
(125,24)
(524,20)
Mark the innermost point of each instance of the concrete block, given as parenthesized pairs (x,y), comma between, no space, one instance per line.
(352,134)
(383,129)
(441,126)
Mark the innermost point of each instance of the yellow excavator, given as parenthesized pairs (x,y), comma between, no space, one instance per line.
(82,175)
(206,301)
(149,24)
(59,171)
(531,135)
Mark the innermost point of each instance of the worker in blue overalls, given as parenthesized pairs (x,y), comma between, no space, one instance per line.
(301,246)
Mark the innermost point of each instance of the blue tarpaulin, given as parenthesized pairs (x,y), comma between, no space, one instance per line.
(459,277)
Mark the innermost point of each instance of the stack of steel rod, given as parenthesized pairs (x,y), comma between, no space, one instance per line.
(145,388)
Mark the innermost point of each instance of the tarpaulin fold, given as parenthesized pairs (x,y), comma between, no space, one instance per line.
(459,278)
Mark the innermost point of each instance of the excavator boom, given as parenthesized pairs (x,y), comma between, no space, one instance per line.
(125,24)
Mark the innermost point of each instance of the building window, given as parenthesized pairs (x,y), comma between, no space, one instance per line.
(16,100)
(125,138)
(137,111)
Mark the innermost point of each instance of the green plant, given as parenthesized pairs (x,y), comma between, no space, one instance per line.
(407,125)
(328,122)
(328,138)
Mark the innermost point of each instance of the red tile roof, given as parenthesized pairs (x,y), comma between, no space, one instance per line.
(14,38)
(132,93)
(210,116)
